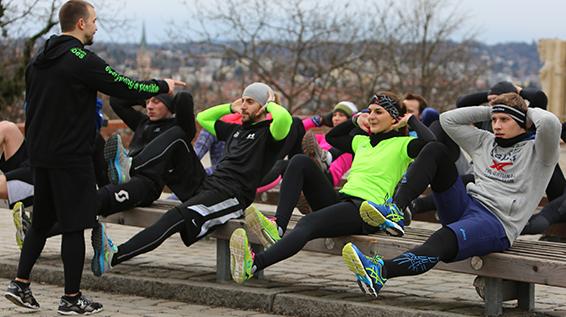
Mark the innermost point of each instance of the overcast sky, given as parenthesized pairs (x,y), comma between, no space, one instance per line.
(496,20)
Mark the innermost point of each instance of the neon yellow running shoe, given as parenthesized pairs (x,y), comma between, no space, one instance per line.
(368,270)
(241,256)
(21,221)
(264,228)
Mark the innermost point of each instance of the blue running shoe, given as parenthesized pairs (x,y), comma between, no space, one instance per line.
(387,217)
(117,160)
(104,250)
(368,270)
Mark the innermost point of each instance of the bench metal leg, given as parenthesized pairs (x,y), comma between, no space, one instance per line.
(223,260)
(526,296)
(493,296)
(494,291)
(257,248)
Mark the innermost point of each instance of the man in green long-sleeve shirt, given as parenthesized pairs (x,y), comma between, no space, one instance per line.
(251,150)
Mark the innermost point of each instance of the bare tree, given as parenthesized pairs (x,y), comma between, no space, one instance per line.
(299,49)
(23,24)
(419,53)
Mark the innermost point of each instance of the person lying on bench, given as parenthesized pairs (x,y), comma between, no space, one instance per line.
(335,214)
(511,172)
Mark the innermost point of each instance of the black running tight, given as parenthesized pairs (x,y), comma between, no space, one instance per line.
(440,246)
(430,167)
(72,254)
(302,174)
(553,212)
(151,237)
(336,220)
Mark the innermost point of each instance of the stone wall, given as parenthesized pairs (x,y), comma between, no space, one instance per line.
(552,54)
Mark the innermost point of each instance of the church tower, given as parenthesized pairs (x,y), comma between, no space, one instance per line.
(143,57)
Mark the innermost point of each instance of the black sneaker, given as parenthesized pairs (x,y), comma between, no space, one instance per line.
(21,296)
(83,306)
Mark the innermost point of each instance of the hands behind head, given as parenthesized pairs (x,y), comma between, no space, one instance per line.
(363,121)
(402,122)
(172,83)
(262,110)
(236,105)
(491,97)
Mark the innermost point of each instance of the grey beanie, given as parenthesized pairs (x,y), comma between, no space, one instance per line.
(259,92)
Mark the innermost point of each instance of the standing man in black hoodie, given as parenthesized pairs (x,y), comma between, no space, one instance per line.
(61,86)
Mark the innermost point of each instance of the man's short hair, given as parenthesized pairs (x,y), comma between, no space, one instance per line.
(512,100)
(420,99)
(71,12)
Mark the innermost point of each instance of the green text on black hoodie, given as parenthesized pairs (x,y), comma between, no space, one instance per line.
(61,86)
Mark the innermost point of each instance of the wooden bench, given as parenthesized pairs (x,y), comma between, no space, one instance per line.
(500,276)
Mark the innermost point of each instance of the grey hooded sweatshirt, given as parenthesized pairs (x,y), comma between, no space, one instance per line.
(509,181)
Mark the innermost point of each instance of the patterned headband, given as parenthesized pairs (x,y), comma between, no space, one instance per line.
(388,104)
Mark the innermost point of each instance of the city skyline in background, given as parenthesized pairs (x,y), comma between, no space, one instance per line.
(494,21)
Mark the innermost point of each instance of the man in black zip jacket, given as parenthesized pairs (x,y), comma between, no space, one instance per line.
(160,153)
(61,86)
(251,150)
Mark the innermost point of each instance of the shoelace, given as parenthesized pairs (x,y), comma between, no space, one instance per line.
(375,259)
(394,213)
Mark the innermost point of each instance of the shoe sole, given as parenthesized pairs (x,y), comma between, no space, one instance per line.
(313,150)
(112,157)
(254,225)
(16,300)
(68,313)
(374,218)
(354,264)
(97,241)
(17,216)
(238,241)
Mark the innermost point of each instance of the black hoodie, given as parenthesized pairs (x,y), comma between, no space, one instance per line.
(61,86)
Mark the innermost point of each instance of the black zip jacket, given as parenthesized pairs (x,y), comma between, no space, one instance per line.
(62,81)
(249,154)
(146,130)
(184,173)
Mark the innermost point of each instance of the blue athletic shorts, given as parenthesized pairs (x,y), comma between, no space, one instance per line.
(478,231)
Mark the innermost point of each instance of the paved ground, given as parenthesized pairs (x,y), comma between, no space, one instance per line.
(118,305)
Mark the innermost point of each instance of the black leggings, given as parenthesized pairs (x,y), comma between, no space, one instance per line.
(277,170)
(440,246)
(553,212)
(150,238)
(72,254)
(170,159)
(556,185)
(452,149)
(302,174)
(429,168)
(335,220)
